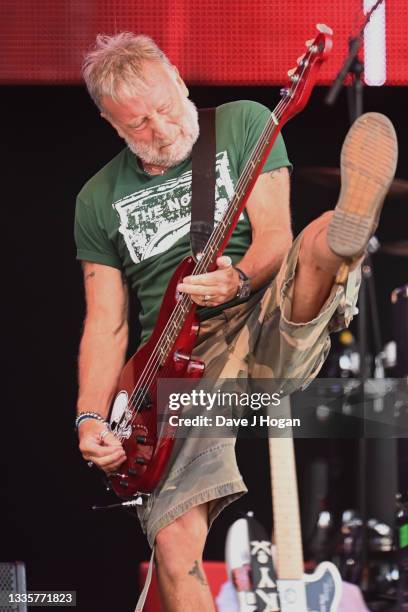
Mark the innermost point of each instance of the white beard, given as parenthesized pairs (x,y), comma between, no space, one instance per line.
(179,150)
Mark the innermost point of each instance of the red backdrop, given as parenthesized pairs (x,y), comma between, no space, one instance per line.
(215,42)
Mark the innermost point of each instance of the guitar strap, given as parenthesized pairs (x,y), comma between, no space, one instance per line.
(264,580)
(203,182)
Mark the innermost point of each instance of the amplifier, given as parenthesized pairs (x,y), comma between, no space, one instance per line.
(13,579)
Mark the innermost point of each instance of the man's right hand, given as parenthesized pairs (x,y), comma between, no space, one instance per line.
(106,453)
(101,358)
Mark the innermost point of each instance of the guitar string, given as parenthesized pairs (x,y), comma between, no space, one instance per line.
(200,266)
(180,312)
(182,307)
(186,300)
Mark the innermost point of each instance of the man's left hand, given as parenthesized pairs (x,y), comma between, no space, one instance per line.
(213,288)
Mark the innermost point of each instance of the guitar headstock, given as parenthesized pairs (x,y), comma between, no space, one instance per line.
(303,77)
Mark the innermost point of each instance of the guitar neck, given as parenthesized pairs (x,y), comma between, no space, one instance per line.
(293,100)
(287,528)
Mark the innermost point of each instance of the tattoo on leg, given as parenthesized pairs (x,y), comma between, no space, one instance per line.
(197,573)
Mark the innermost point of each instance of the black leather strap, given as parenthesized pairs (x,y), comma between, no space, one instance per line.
(203,182)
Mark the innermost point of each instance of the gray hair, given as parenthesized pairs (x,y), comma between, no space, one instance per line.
(115,64)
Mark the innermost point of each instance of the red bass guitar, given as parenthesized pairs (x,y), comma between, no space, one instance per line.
(167,354)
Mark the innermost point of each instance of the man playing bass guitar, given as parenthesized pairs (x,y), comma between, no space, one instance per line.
(132,230)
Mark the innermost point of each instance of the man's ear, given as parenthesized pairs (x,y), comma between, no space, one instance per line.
(115,127)
(180,81)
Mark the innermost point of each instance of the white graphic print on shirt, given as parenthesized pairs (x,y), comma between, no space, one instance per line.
(153,219)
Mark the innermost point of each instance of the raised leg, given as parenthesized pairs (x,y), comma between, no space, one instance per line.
(368,162)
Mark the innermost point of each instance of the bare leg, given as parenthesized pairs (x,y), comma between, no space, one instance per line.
(316,271)
(179,549)
(368,161)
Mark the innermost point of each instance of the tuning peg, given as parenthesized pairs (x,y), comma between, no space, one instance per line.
(309,42)
(292,71)
(321,27)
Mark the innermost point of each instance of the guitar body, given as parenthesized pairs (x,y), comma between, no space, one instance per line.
(134,412)
(317,592)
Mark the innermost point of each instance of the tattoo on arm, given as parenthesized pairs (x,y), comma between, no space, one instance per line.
(197,573)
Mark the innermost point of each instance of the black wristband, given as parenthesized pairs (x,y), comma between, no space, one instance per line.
(241,273)
(244,287)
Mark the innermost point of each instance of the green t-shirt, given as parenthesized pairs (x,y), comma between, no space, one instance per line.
(140,224)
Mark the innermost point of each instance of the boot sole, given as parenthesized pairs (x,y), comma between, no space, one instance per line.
(368,161)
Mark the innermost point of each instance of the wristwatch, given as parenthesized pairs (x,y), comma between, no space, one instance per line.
(244,287)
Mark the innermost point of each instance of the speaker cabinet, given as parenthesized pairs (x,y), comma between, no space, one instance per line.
(13,579)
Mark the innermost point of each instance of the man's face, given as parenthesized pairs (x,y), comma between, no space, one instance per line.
(159,122)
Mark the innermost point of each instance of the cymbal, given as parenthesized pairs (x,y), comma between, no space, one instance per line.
(330,177)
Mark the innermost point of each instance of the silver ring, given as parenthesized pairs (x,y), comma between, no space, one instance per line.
(103,434)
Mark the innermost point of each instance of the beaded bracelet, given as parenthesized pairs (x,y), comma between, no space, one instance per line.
(83,416)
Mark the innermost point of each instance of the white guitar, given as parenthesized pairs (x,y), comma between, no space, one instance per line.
(296,591)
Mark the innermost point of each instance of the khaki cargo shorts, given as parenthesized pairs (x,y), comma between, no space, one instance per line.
(254,339)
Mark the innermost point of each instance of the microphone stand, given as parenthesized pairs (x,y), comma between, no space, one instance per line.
(354,67)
